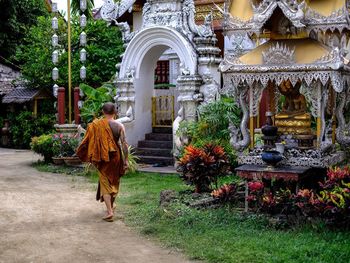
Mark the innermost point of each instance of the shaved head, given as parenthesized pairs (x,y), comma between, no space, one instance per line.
(109,108)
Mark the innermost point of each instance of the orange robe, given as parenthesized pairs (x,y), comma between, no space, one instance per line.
(99,148)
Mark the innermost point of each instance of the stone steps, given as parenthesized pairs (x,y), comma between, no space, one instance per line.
(157,147)
(154,152)
(157,160)
(155,144)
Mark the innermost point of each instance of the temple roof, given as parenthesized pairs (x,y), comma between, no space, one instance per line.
(243,9)
(293,59)
(252,15)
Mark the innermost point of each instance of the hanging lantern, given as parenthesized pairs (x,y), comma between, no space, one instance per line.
(80,104)
(55,57)
(83,21)
(54,40)
(54,7)
(83,73)
(83,39)
(82,55)
(54,23)
(55,73)
(83,5)
(55,90)
(81,93)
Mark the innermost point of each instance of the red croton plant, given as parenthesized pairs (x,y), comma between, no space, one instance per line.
(201,166)
(331,203)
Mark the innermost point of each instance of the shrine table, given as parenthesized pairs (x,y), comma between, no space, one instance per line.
(259,172)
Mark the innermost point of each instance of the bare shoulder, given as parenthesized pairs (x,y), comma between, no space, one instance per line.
(116,124)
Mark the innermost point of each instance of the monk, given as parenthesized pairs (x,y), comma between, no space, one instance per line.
(104,146)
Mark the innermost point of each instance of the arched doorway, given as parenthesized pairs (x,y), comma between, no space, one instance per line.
(138,65)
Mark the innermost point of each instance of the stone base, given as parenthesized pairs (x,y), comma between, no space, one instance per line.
(70,129)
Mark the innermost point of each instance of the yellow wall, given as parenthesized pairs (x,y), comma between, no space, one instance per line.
(326,7)
(241,9)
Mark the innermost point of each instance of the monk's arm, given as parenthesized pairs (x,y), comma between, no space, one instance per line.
(124,143)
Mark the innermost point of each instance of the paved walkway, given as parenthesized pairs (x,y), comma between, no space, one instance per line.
(47,217)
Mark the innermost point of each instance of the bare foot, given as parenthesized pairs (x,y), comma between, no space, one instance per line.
(108,217)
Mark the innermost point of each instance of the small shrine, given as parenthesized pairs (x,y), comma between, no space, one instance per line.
(290,58)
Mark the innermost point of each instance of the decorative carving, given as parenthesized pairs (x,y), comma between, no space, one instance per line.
(239,145)
(178,140)
(111,11)
(338,19)
(203,10)
(125,29)
(295,157)
(189,12)
(278,54)
(210,88)
(343,130)
(129,116)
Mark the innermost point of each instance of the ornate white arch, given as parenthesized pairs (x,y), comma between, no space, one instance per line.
(152,37)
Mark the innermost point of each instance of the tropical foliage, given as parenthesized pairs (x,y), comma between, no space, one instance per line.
(212,126)
(95,98)
(15,21)
(202,166)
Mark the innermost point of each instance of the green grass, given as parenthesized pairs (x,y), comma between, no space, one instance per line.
(222,235)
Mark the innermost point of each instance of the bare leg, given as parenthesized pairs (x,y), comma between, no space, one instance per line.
(112,203)
(107,199)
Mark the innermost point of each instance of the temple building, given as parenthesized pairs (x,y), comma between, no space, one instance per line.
(289,59)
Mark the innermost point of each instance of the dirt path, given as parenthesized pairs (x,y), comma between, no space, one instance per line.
(47,217)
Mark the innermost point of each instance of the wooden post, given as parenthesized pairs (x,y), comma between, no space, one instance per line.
(61,105)
(35,110)
(69,64)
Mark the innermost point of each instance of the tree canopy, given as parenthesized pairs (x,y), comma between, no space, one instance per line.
(15,21)
(103,52)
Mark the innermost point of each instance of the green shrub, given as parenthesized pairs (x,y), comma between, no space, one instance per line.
(212,127)
(24,126)
(44,145)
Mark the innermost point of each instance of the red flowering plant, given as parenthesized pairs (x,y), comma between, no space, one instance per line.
(256,191)
(227,193)
(202,166)
(65,144)
(332,203)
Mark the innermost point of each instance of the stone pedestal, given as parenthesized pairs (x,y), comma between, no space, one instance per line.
(189,97)
(125,96)
(67,129)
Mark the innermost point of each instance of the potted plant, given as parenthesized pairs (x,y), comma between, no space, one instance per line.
(65,145)
(202,166)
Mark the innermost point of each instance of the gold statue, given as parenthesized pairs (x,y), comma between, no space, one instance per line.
(293,119)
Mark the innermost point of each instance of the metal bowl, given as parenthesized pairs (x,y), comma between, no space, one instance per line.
(271,157)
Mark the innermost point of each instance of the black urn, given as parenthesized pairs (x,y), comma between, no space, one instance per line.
(268,129)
